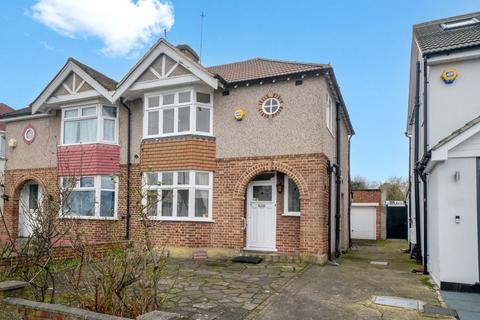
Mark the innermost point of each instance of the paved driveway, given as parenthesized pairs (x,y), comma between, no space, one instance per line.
(345,292)
(466,304)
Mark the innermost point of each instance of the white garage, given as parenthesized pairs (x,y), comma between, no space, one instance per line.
(363,221)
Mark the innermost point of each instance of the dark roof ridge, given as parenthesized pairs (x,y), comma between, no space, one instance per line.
(101,78)
(449,19)
(270,60)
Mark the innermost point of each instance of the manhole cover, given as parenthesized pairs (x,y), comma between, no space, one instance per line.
(398,302)
(379,263)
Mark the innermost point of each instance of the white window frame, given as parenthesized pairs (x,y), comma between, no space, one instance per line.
(99,116)
(3,145)
(271,113)
(191,186)
(98,191)
(329,113)
(193,104)
(285,199)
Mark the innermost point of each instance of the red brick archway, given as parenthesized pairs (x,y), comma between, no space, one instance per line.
(247,176)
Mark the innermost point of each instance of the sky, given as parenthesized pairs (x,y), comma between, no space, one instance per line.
(367,42)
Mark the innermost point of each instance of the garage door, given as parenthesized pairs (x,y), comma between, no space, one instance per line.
(363,222)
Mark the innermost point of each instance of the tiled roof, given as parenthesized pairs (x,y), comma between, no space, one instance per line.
(105,81)
(259,68)
(431,37)
(4,108)
(16,113)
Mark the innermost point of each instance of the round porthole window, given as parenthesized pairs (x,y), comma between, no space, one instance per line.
(29,134)
(271,106)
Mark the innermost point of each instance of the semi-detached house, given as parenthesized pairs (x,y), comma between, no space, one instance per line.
(248,156)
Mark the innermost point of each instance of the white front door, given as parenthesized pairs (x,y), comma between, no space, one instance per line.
(261,218)
(28,207)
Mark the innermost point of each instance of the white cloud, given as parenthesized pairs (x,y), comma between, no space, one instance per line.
(123,25)
(45,45)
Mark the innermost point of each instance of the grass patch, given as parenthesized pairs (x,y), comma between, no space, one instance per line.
(425,280)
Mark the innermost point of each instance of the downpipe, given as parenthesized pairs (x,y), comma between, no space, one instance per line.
(129,166)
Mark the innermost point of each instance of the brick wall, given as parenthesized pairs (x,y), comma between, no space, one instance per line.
(304,235)
(371,196)
(178,153)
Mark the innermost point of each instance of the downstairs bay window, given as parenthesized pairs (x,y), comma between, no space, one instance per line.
(90,197)
(89,124)
(179,195)
(175,113)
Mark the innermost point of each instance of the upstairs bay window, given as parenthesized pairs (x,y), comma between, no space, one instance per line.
(177,113)
(179,195)
(90,197)
(89,124)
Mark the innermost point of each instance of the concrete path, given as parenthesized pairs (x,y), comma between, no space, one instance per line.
(466,304)
(345,292)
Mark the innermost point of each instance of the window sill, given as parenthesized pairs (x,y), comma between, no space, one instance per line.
(291,214)
(89,143)
(181,220)
(180,135)
(90,218)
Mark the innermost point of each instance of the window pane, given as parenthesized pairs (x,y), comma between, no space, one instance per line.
(152,178)
(107,201)
(33,197)
(88,130)
(70,132)
(293,197)
(153,102)
(152,203)
(108,182)
(87,182)
(203,97)
(89,111)
(183,119)
(81,203)
(262,193)
(183,177)
(201,203)
(153,122)
(182,203)
(167,178)
(2,146)
(168,99)
(108,130)
(69,183)
(203,119)
(202,178)
(167,203)
(71,113)
(184,97)
(168,116)
(109,111)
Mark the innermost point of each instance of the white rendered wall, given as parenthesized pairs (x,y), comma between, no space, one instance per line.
(456,244)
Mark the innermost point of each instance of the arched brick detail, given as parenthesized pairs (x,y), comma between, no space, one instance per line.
(241,185)
(21,181)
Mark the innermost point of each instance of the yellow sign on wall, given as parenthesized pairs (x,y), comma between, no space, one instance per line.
(239,114)
(449,75)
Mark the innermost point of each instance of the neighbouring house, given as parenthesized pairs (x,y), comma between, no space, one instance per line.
(366,214)
(3,142)
(444,130)
(247,156)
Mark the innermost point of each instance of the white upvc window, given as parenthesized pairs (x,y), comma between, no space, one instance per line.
(90,197)
(179,195)
(93,123)
(186,111)
(3,143)
(291,198)
(329,113)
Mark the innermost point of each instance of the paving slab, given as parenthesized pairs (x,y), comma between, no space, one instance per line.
(467,305)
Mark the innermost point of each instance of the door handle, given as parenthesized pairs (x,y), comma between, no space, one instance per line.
(244,221)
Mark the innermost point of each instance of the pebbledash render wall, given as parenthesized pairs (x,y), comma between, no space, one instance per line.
(371,196)
(239,151)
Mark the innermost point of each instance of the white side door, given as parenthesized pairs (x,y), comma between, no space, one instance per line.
(28,206)
(261,216)
(363,222)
